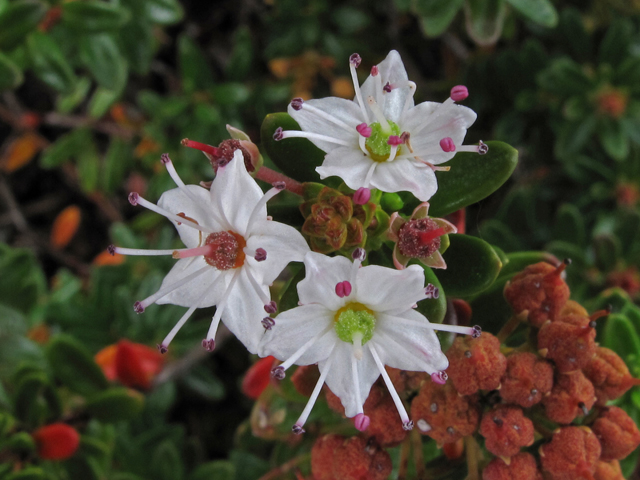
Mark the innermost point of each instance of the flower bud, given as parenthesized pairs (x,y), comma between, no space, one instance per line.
(521,467)
(132,364)
(526,380)
(608,471)
(540,290)
(617,432)
(357,459)
(569,342)
(476,363)
(609,375)
(506,430)
(57,441)
(572,396)
(572,454)
(322,455)
(257,377)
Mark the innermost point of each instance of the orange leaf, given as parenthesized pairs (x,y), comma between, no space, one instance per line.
(21,151)
(65,226)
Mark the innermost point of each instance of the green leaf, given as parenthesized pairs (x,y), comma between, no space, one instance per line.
(164,12)
(615,46)
(218,470)
(137,44)
(239,64)
(472,266)
(115,404)
(613,139)
(607,250)
(620,336)
(201,380)
(436,15)
(10,74)
(20,442)
(22,282)
(539,11)
(94,16)
(296,157)
(472,177)
(49,63)
(565,77)
(485,19)
(88,168)
(518,261)
(27,473)
(569,225)
(17,20)
(102,100)
(166,463)
(194,67)
(116,160)
(65,148)
(247,465)
(74,366)
(65,103)
(36,400)
(100,54)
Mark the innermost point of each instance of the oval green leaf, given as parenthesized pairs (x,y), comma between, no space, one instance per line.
(472,177)
(17,20)
(49,63)
(94,16)
(539,11)
(472,266)
(101,55)
(10,74)
(620,336)
(115,404)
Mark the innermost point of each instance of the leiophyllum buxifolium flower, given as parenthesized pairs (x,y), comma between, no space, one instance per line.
(381,139)
(352,322)
(234,252)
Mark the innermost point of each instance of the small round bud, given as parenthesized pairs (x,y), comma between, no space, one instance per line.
(521,467)
(57,441)
(527,379)
(572,394)
(609,375)
(617,432)
(506,430)
(572,453)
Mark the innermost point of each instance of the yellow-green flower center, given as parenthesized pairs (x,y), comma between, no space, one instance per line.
(377,144)
(352,319)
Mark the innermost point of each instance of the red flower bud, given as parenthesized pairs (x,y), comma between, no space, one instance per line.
(617,432)
(132,364)
(526,380)
(506,430)
(57,441)
(322,455)
(257,377)
(572,454)
(572,396)
(609,375)
(569,342)
(608,471)
(358,459)
(520,467)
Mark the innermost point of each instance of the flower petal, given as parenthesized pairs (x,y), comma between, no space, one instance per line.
(386,290)
(405,175)
(340,378)
(322,275)
(350,164)
(408,347)
(294,328)
(236,193)
(187,295)
(340,108)
(282,243)
(177,201)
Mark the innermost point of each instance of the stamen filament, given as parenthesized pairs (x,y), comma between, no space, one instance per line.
(392,153)
(316,392)
(317,136)
(356,380)
(367,179)
(377,111)
(356,87)
(266,299)
(379,93)
(272,192)
(215,321)
(141,251)
(155,208)
(325,115)
(357,345)
(362,143)
(176,328)
(298,353)
(436,326)
(394,395)
(170,288)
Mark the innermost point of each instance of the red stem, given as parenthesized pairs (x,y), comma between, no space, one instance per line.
(271,176)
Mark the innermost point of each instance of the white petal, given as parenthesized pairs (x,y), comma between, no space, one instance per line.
(282,243)
(236,193)
(344,110)
(177,201)
(244,312)
(405,175)
(408,347)
(340,378)
(387,290)
(187,295)
(391,70)
(322,275)
(350,164)
(294,328)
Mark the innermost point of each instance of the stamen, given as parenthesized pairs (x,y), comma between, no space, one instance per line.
(266,300)
(268,323)
(392,153)
(387,88)
(377,112)
(356,380)
(260,255)
(206,250)
(140,306)
(271,307)
(394,140)
(431,291)
(134,197)
(483,148)
(208,150)
(359,254)
(372,169)
(298,353)
(164,346)
(362,422)
(459,93)
(209,345)
(362,196)
(474,331)
(354,62)
(209,341)
(281,134)
(298,104)
(357,345)
(364,130)
(407,424)
(343,289)
(272,192)
(166,161)
(137,251)
(375,73)
(297,428)
(439,377)
(447,145)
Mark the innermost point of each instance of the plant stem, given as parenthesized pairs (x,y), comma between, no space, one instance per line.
(404,458)
(418,459)
(511,325)
(471,448)
(271,176)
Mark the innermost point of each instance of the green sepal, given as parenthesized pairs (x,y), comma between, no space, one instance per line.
(472,266)
(472,177)
(391,202)
(432,308)
(115,404)
(296,157)
(17,20)
(74,366)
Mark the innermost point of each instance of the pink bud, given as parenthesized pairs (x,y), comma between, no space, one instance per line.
(362,196)
(447,144)
(459,92)
(362,422)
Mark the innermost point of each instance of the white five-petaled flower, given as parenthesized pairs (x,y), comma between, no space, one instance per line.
(381,139)
(352,322)
(234,252)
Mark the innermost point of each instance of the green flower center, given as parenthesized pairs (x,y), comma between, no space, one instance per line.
(377,144)
(354,319)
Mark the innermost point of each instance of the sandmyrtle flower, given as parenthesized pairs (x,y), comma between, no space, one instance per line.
(234,251)
(381,139)
(352,322)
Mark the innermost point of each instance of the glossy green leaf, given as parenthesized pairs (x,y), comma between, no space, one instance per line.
(296,157)
(115,404)
(201,380)
(620,336)
(67,102)
(17,20)
(49,63)
(27,473)
(100,54)
(36,400)
(218,470)
(10,74)
(433,308)
(102,100)
(607,251)
(22,282)
(115,164)
(472,266)
(485,19)
(436,15)
(518,261)
(65,148)
(164,12)
(538,11)
(616,44)
(472,177)
(74,366)
(94,16)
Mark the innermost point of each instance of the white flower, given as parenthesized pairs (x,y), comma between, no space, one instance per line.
(352,322)
(380,139)
(234,251)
